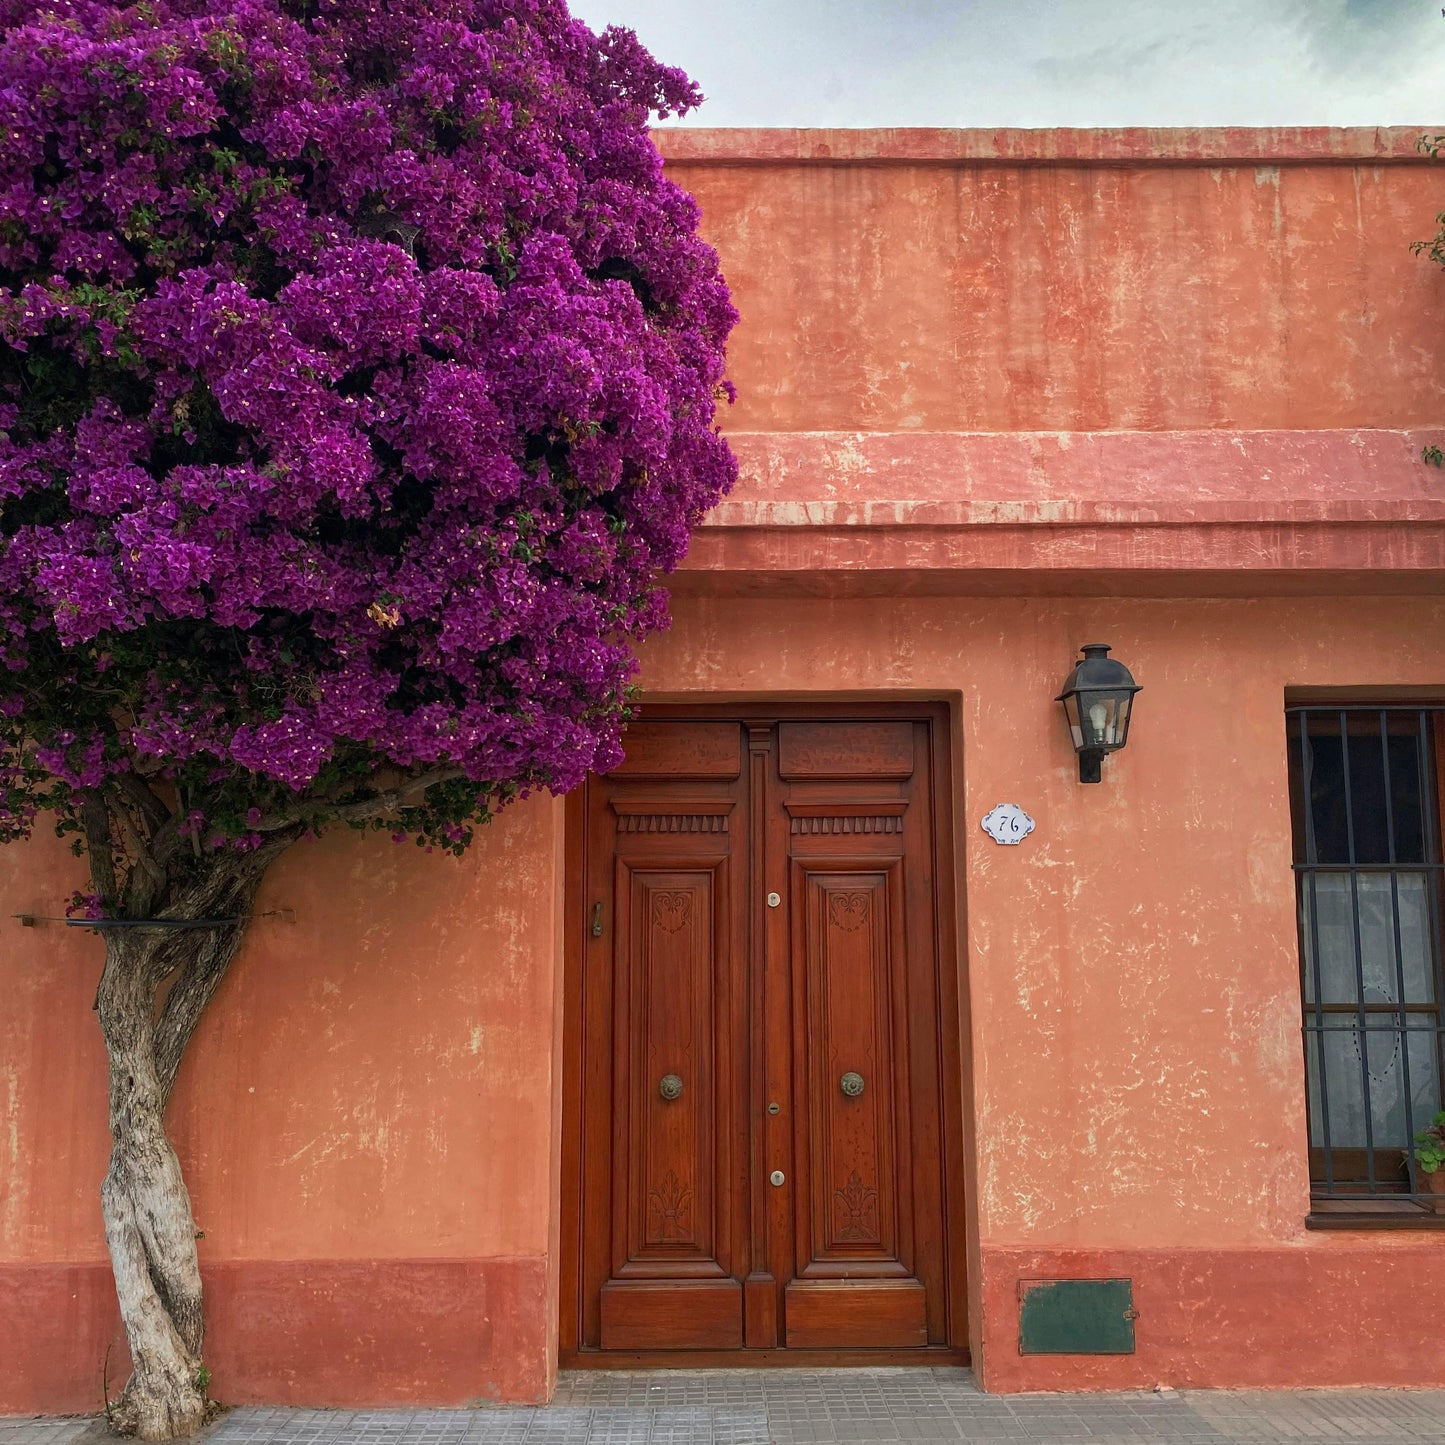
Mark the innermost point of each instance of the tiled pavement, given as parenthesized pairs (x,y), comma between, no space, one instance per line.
(780,1407)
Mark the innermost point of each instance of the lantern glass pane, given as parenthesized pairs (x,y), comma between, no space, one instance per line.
(1125,702)
(1071,712)
(1105,719)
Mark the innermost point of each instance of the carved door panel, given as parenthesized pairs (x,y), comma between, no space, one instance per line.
(868,1180)
(664,1115)
(763,1155)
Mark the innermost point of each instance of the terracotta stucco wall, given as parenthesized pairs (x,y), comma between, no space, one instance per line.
(369,1116)
(366,1118)
(1170,284)
(1132,969)
(1251,300)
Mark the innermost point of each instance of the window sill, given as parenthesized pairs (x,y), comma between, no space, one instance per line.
(1372,1214)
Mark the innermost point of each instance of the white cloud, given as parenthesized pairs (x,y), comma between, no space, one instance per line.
(1050,62)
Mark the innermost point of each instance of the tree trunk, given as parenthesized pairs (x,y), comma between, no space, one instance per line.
(147,1211)
(149,1227)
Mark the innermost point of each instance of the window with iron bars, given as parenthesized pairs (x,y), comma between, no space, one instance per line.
(1366,803)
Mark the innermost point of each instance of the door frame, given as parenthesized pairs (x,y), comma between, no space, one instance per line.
(960,1218)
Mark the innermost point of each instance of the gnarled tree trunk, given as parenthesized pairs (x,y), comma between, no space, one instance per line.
(148,1223)
(158,979)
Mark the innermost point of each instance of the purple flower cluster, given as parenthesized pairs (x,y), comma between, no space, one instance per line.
(358,370)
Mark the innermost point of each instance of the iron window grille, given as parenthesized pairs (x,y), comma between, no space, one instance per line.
(1365,799)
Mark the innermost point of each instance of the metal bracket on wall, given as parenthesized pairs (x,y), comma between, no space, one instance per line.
(33,920)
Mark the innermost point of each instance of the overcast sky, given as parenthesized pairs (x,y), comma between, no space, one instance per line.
(1049,62)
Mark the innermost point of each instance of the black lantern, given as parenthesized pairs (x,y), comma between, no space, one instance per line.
(1097,699)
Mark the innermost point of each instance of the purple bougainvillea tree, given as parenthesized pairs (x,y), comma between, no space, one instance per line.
(358,370)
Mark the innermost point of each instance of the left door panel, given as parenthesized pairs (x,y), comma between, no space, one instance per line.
(663,1117)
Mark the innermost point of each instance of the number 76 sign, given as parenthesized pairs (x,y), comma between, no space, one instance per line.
(1008,824)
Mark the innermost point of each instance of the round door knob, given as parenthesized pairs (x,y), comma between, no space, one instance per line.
(851,1084)
(670,1087)
(776,1178)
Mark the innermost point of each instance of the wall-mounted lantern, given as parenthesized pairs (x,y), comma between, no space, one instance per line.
(1097,699)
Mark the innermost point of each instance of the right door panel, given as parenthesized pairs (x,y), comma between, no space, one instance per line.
(865,1038)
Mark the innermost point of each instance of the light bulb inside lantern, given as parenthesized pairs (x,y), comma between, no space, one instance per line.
(1099,721)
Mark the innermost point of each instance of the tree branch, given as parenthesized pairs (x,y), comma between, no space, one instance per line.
(143,796)
(165,840)
(404,795)
(143,868)
(95,820)
(228,889)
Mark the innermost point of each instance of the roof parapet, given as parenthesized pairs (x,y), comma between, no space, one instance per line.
(1135,146)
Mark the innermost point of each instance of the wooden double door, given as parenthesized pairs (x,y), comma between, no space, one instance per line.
(762,1040)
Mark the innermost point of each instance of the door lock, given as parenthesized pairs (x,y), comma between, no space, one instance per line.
(776,1178)
(774,899)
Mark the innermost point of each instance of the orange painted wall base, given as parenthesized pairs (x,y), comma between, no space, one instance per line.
(453,1332)
(326,1332)
(1351,1310)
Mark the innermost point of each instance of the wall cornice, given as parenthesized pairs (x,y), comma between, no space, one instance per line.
(1136,146)
(1224,513)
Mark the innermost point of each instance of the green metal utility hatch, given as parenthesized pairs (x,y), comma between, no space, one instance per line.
(1076,1316)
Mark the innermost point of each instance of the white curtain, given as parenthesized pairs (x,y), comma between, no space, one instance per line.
(1373,1068)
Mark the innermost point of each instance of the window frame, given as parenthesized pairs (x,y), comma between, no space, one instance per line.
(1339,1197)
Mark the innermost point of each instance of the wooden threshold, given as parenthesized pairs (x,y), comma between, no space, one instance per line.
(781,1359)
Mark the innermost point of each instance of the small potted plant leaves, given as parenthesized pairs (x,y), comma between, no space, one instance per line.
(1430,1160)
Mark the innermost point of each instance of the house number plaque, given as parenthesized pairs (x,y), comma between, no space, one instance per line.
(1008,824)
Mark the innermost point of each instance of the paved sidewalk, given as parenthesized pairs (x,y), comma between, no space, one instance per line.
(780,1407)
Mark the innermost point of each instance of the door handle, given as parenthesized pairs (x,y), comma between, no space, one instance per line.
(670,1087)
(851,1084)
(596,920)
